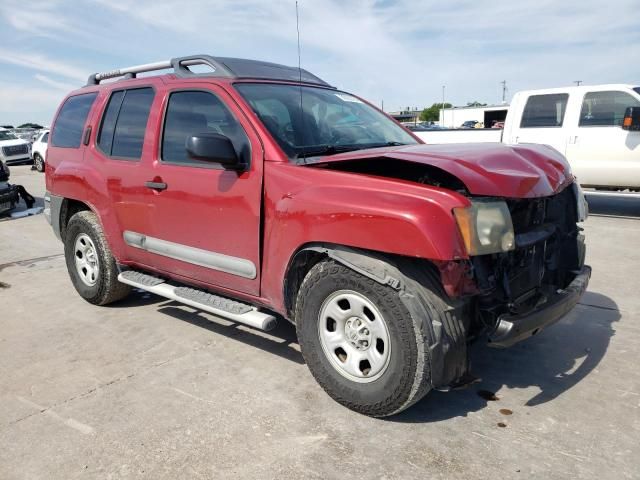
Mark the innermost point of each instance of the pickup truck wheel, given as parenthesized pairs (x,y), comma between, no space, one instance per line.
(360,342)
(91,266)
(38,162)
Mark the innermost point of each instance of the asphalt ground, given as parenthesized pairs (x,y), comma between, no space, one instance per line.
(148,388)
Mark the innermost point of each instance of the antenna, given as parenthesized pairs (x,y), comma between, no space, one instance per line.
(298,32)
(300,80)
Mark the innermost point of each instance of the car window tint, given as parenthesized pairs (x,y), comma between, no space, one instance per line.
(544,110)
(193,112)
(605,109)
(68,127)
(108,126)
(45,138)
(131,124)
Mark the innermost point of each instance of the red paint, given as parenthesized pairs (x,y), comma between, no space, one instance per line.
(268,213)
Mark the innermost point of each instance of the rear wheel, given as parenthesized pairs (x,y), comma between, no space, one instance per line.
(360,341)
(38,162)
(91,266)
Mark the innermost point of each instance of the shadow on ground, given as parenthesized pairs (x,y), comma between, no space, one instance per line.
(554,361)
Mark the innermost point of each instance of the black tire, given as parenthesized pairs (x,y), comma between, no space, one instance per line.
(407,376)
(107,288)
(38,162)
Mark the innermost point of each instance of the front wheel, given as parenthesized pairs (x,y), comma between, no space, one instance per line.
(91,266)
(38,162)
(360,342)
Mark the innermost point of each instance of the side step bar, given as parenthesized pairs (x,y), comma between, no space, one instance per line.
(221,306)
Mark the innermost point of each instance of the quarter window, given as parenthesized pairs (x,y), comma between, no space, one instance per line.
(67,131)
(605,109)
(544,110)
(193,112)
(125,122)
(45,138)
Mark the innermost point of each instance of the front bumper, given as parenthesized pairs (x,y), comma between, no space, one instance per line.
(514,328)
(18,160)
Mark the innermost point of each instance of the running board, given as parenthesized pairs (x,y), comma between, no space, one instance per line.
(215,304)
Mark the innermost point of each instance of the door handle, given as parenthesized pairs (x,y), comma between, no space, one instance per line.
(159,186)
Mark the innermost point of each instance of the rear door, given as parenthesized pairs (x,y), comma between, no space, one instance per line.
(601,153)
(205,221)
(541,121)
(120,161)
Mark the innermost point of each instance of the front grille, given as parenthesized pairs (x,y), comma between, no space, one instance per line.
(545,259)
(12,150)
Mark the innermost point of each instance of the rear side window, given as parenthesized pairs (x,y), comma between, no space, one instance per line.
(605,109)
(45,138)
(544,110)
(67,131)
(124,123)
(192,112)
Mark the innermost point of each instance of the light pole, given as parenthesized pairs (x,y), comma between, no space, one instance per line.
(443,87)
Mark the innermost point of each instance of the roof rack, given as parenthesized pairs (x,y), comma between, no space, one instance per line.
(220,67)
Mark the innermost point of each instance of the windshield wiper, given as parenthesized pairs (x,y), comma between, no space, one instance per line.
(317,151)
(325,150)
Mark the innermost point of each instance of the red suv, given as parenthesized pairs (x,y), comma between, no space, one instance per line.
(254,191)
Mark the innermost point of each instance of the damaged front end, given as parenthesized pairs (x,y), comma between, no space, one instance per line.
(540,277)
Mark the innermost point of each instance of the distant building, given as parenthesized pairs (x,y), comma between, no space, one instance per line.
(406,116)
(454,117)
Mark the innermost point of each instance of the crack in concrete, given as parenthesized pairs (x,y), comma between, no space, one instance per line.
(30,261)
(611,309)
(44,410)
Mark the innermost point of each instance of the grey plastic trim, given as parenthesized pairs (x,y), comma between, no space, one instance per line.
(52,207)
(196,256)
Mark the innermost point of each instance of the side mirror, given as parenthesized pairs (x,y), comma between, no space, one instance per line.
(631,119)
(213,147)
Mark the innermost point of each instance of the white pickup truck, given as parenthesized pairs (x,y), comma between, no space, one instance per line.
(586,123)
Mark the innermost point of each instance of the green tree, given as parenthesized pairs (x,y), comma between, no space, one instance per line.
(432,113)
(30,125)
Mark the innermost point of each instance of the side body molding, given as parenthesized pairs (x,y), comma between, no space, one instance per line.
(196,256)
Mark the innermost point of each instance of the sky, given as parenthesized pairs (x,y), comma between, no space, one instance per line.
(398,52)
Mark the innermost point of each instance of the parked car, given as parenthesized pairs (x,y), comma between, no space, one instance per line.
(258,190)
(13,150)
(469,124)
(39,150)
(585,123)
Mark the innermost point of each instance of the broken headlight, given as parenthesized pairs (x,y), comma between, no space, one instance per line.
(486,227)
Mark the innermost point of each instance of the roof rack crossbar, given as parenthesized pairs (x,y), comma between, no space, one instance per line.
(179,66)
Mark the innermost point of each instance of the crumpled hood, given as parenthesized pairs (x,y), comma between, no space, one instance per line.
(492,169)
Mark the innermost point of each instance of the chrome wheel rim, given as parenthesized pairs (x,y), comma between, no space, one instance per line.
(354,336)
(86,259)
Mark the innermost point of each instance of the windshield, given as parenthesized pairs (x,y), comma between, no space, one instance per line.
(329,121)
(7,136)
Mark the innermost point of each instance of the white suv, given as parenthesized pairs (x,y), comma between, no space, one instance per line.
(39,150)
(12,149)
